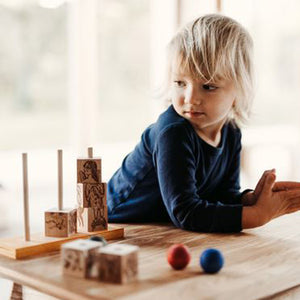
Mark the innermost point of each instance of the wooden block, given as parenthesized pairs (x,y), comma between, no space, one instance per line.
(89,170)
(91,194)
(79,256)
(18,248)
(118,263)
(90,219)
(60,223)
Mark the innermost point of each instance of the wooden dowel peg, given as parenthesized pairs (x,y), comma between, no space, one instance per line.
(219,6)
(90,152)
(25,195)
(60,179)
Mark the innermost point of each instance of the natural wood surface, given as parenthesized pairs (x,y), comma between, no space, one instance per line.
(17,248)
(259,263)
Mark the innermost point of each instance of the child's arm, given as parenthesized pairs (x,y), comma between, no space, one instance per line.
(273,200)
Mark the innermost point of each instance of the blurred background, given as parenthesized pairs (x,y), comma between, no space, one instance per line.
(85,73)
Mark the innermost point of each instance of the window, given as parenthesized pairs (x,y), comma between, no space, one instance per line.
(33,75)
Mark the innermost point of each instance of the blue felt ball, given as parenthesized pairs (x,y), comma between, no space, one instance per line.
(211,260)
(97,238)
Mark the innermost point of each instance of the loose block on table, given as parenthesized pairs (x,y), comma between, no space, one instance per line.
(78,257)
(118,263)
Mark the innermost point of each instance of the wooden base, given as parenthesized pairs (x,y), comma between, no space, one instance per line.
(18,248)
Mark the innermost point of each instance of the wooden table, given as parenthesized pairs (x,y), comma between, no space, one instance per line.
(259,263)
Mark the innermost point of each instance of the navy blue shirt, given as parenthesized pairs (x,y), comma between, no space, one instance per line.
(174,175)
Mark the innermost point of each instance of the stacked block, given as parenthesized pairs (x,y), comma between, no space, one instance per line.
(79,256)
(118,263)
(60,223)
(91,196)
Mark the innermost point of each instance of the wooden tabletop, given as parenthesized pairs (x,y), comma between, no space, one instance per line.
(259,263)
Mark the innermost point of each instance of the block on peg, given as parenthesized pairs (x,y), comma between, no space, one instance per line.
(60,223)
(79,257)
(90,219)
(89,170)
(118,263)
(91,194)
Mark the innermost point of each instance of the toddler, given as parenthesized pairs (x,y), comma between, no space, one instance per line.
(186,167)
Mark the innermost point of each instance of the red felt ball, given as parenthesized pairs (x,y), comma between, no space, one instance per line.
(178,256)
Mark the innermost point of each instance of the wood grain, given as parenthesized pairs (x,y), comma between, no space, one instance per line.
(258,263)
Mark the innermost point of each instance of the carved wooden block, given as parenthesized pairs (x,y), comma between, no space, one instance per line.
(118,263)
(91,194)
(60,223)
(91,219)
(89,170)
(79,257)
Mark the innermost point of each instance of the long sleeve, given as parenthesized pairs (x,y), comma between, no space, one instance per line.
(176,165)
(229,191)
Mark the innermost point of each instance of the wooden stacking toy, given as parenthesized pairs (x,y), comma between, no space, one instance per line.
(91,195)
(60,222)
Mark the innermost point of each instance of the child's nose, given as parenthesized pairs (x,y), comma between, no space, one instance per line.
(192,97)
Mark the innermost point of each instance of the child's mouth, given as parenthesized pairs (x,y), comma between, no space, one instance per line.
(194,113)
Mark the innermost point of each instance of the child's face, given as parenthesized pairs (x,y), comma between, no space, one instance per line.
(205,106)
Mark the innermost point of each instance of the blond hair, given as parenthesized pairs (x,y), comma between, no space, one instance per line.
(215,47)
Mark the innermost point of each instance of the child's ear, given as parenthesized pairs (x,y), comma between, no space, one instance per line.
(233,104)
(233,108)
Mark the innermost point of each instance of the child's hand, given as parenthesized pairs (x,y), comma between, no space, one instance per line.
(285,185)
(275,200)
(251,197)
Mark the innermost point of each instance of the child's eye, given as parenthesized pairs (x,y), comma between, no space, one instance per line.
(179,83)
(209,87)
